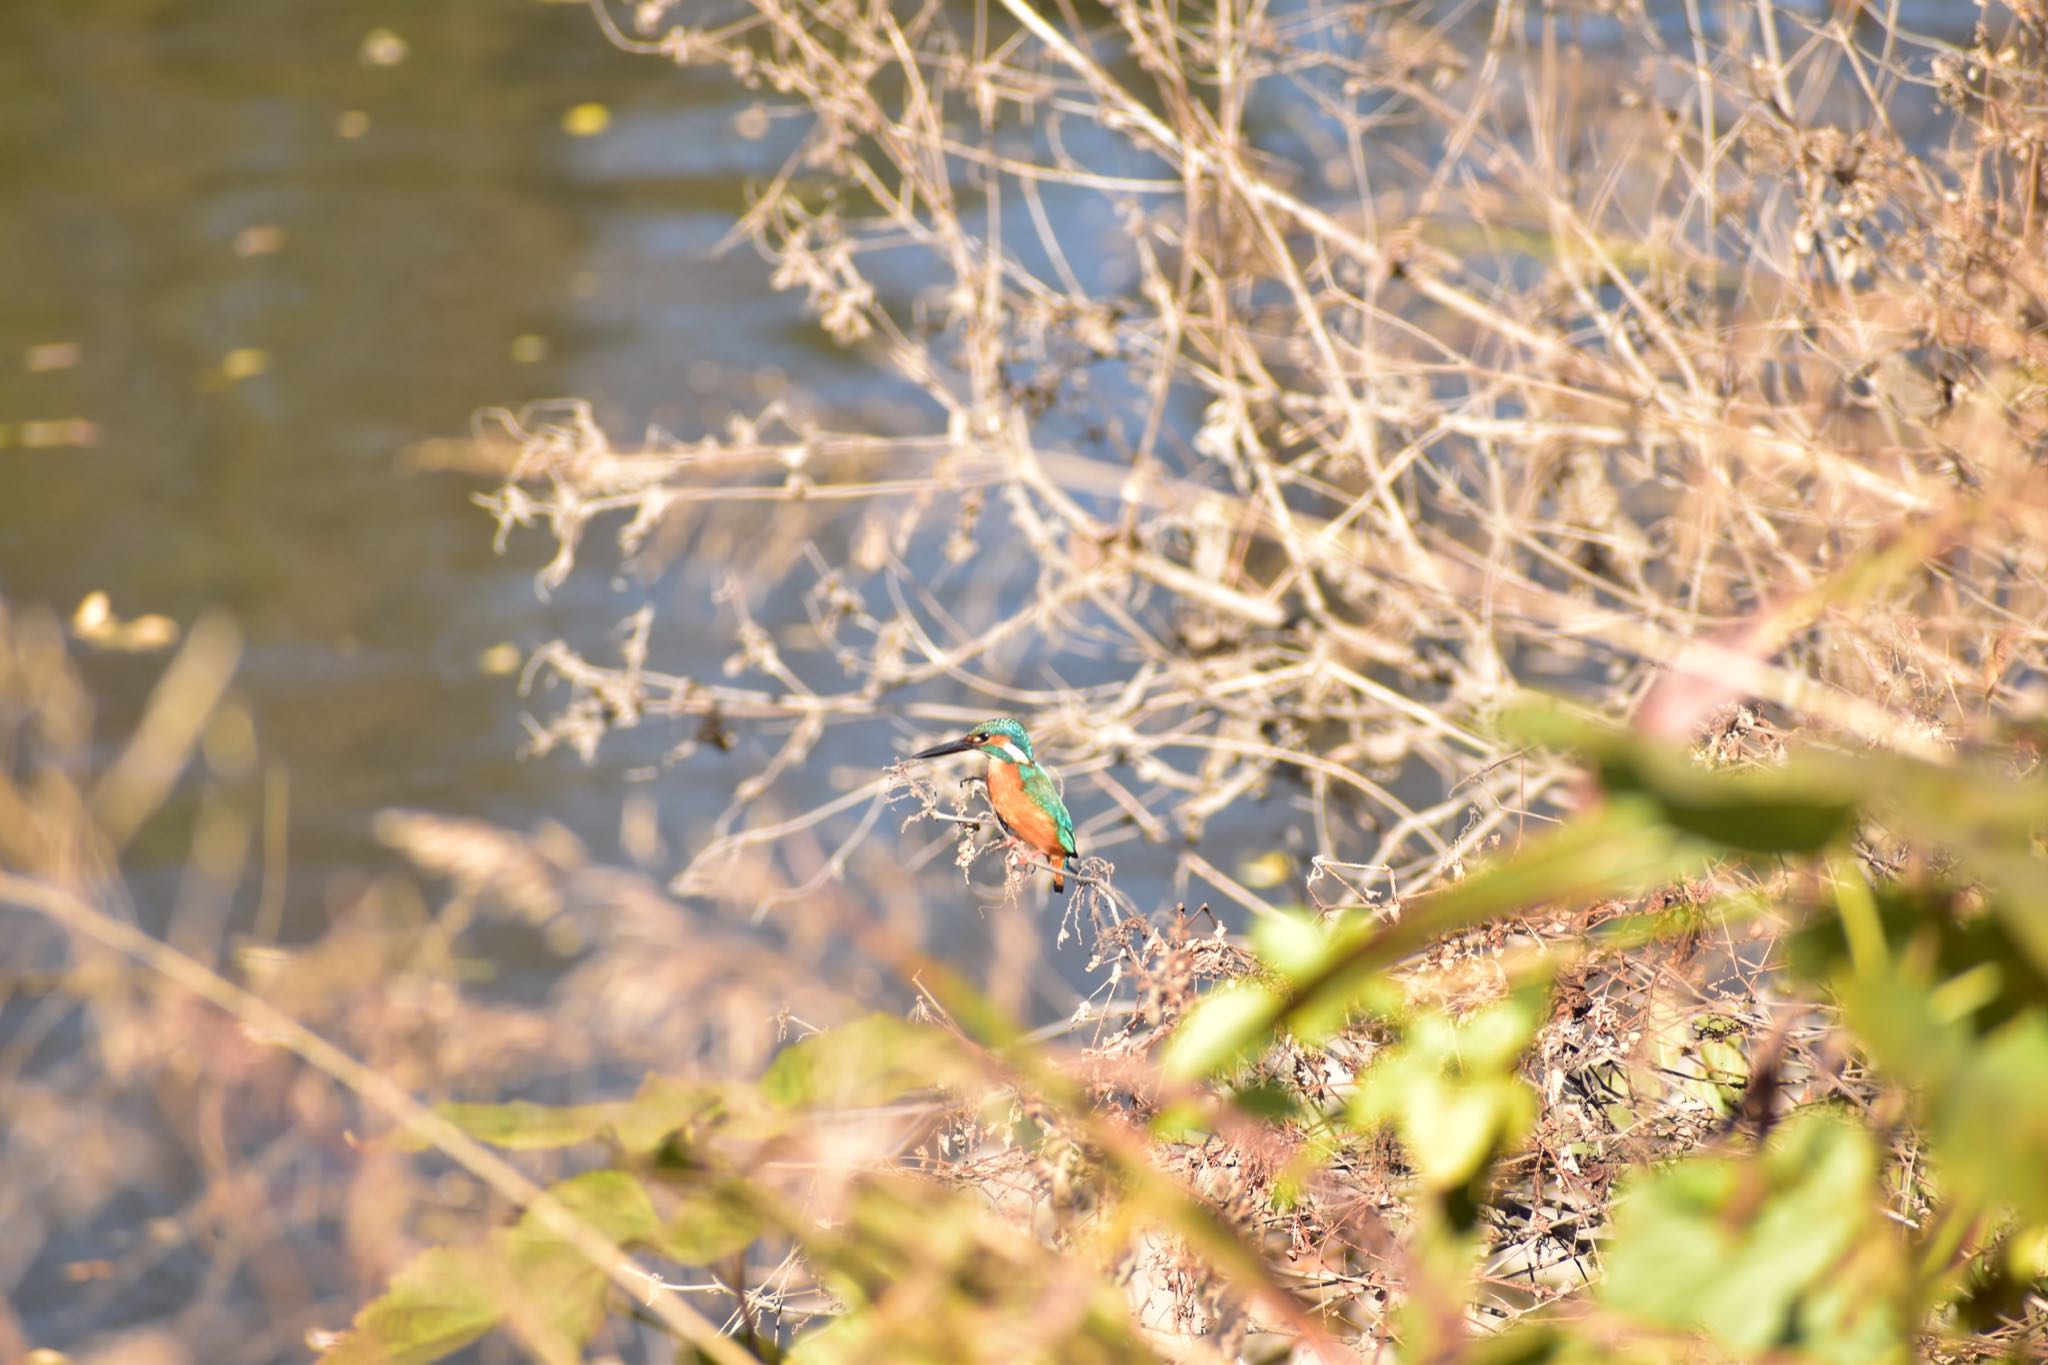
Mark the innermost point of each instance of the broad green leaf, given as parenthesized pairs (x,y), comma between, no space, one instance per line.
(1939,942)
(1726,1070)
(1273,1101)
(2021,907)
(709,1224)
(1227,1028)
(927,1277)
(613,1202)
(554,1296)
(1620,850)
(1989,1122)
(442,1300)
(1299,948)
(523,1277)
(1450,1089)
(1799,808)
(521,1126)
(1952,1006)
(1784,1249)
(1182,1121)
(1769,812)
(1968,805)
(1493,1039)
(1537,1341)
(1452,1131)
(1528,1343)
(1291,942)
(663,1109)
(685,1114)
(551,1296)
(870,1061)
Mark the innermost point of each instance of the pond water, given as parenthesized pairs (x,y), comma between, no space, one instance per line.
(251,259)
(254,259)
(258,268)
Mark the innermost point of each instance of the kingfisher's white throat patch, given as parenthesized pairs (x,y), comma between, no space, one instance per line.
(1010,751)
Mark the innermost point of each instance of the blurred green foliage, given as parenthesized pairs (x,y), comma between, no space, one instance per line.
(1450,1088)
(1781,1250)
(524,1278)
(1785,1233)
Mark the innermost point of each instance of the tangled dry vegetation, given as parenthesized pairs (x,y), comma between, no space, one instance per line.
(1287,387)
(1269,395)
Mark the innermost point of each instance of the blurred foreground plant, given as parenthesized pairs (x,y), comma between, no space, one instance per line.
(1376,1134)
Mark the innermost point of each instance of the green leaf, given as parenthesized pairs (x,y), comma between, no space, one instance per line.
(1452,1131)
(641,1126)
(1949,1004)
(1785,1249)
(1271,1100)
(551,1295)
(709,1224)
(1183,1121)
(1799,808)
(685,1114)
(1619,850)
(613,1202)
(524,1277)
(1291,943)
(870,1061)
(925,1277)
(1528,1343)
(1989,1122)
(521,1126)
(1226,1028)
(1939,942)
(1451,1092)
(438,1303)
(1726,1069)
(554,1295)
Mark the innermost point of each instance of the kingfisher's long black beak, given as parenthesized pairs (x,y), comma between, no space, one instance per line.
(951,746)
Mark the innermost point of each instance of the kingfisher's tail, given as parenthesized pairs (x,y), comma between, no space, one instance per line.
(1059,881)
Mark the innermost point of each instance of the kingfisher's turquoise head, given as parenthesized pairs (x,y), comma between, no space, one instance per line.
(1003,737)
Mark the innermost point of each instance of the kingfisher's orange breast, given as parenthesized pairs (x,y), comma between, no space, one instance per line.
(1026,818)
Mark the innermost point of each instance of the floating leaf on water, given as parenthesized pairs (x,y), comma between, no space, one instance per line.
(94,622)
(1268,869)
(52,355)
(94,613)
(244,362)
(259,239)
(498,661)
(57,433)
(382,47)
(586,120)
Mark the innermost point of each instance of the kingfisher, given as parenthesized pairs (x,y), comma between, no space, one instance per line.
(1025,800)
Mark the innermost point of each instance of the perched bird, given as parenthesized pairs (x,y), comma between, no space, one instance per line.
(1022,793)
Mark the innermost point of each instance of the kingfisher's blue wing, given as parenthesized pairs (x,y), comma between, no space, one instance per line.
(1038,786)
